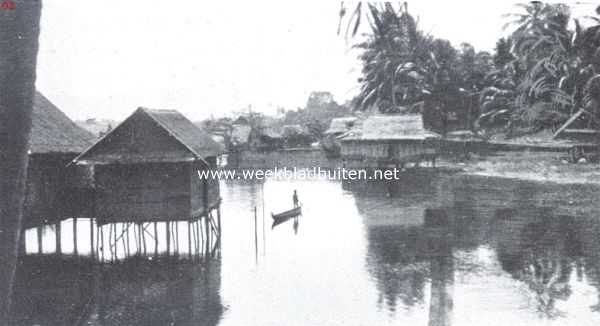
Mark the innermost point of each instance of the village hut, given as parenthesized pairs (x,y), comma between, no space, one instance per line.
(148,169)
(55,191)
(265,139)
(340,126)
(296,136)
(240,134)
(381,140)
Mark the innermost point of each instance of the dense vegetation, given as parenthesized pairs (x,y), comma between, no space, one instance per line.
(547,69)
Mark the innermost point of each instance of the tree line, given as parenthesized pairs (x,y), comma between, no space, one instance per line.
(540,75)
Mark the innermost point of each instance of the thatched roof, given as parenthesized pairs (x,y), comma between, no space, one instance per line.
(340,125)
(53,132)
(186,132)
(152,136)
(391,127)
(293,130)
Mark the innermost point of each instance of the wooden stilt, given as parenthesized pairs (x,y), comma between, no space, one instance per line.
(57,237)
(143,233)
(123,231)
(102,243)
(75,252)
(110,243)
(39,240)
(168,238)
(92,237)
(176,237)
(128,249)
(155,240)
(189,240)
(97,241)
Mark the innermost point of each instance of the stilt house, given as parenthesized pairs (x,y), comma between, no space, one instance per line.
(147,169)
(381,140)
(55,191)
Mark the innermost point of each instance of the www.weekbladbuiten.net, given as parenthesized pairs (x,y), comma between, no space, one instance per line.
(300,174)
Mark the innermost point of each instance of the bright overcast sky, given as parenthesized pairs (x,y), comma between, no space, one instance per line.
(103,58)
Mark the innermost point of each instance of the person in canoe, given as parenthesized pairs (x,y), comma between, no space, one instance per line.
(295,199)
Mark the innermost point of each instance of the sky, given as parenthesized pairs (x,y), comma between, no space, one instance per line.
(103,59)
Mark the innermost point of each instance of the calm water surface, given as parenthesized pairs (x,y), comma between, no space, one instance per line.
(425,250)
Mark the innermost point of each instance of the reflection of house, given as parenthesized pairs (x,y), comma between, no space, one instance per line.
(389,139)
(146,169)
(53,188)
(51,290)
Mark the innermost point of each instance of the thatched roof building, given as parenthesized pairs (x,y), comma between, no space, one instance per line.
(391,127)
(55,191)
(339,126)
(152,136)
(381,140)
(53,132)
(146,169)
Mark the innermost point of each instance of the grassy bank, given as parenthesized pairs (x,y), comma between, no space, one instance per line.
(534,166)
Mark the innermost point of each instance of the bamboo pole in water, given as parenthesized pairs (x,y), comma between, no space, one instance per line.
(155,239)
(39,239)
(92,237)
(57,237)
(168,238)
(75,252)
(128,249)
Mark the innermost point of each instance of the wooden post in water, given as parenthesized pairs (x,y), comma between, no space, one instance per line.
(110,243)
(39,239)
(168,238)
(127,249)
(92,237)
(57,237)
(22,245)
(207,226)
(189,240)
(155,240)
(75,236)
(143,232)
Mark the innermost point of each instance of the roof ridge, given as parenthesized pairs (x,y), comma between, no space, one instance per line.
(173,133)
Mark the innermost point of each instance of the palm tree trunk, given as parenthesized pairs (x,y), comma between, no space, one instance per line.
(18,57)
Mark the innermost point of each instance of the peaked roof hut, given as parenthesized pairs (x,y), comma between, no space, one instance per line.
(383,139)
(148,169)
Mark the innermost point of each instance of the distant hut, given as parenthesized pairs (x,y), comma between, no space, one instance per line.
(265,139)
(240,134)
(53,189)
(340,126)
(146,169)
(381,140)
(296,136)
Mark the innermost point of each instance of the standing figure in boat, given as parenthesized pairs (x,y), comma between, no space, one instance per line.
(295,198)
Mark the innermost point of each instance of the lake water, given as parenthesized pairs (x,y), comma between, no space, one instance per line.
(424,250)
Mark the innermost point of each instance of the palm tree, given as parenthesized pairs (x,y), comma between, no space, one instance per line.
(18,55)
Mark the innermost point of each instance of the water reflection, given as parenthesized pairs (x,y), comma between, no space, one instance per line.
(427,238)
(429,249)
(54,290)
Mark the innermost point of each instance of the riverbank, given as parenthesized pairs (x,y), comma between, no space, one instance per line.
(532,166)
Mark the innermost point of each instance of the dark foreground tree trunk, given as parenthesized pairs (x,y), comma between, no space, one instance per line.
(19,31)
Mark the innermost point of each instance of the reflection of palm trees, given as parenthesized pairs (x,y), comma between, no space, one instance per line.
(548,279)
(540,250)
